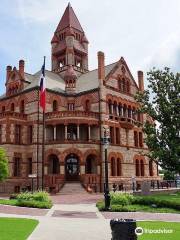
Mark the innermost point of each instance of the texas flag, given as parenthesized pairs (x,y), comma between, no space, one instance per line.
(43,88)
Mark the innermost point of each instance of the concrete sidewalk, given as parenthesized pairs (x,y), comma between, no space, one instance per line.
(81,227)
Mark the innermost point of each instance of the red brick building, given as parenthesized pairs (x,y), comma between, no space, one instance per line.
(80,104)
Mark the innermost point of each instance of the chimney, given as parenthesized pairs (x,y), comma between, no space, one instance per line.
(101,68)
(8,72)
(21,68)
(141,81)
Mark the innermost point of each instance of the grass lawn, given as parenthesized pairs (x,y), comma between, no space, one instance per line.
(174,226)
(160,203)
(16,228)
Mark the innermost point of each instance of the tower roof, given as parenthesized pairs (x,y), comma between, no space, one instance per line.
(69,19)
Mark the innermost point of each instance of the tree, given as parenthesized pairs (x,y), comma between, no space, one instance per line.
(161,102)
(4,170)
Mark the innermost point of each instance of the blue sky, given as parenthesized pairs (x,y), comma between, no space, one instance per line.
(145,33)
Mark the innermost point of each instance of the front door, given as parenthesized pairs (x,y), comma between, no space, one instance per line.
(72,168)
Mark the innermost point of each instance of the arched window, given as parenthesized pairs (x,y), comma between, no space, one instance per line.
(128,87)
(115,108)
(140,139)
(109,107)
(151,168)
(3,108)
(12,107)
(124,111)
(123,85)
(137,168)
(142,167)
(119,167)
(87,105)
(112,166)
(135,138)
(22,106)
(55,106)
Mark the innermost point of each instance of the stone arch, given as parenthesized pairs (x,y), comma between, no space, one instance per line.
(73,151)
(92,152)
(52,151)
(112,155)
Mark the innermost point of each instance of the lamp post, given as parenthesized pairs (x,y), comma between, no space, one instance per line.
(105,142)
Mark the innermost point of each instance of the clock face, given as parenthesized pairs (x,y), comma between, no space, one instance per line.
(69,41)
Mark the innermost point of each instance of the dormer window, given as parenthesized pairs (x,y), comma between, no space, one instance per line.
(3,108)
(70,106)
(22,106)
(12,107)
(55,106)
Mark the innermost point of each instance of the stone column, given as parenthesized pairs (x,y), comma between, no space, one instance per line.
(65,132)
(55,133)
(78,132)
(112,109)
(89,132)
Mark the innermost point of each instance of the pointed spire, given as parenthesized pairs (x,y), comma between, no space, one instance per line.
(69,19)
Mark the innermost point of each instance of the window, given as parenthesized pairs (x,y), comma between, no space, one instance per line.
(22,106)
(3,108)
(128,87)
(135,139)
(140,139)
(109,107)
(17,134)
(30,134)
(16,167)
(29,170)
(87,106)
(70,106)
(137,168)
(0,133)
(112,166)
(151,168)
(119,168)
(117,136)
(12,107)
(55,106)
(123,85)
(111,134)
(142,167)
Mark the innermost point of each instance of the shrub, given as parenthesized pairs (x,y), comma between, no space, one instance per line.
(121,199)
(34,204)
(41,196)
(13,196)
(100,205)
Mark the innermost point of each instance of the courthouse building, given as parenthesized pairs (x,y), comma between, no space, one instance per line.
(80,105)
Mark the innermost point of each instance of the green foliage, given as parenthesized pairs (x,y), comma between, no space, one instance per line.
(39,199)
(34,204)
(121,199)
(162,103)
(168,175)
(4,170)
(130,203)
(40,196)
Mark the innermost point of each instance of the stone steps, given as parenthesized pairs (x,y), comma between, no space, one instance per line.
(72,188)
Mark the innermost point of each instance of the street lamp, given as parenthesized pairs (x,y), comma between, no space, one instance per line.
(32,176)
(105,142)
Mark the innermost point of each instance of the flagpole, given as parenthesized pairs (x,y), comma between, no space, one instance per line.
(43,139)
(38,145)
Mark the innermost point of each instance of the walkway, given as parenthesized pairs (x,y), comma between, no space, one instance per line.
(74,216)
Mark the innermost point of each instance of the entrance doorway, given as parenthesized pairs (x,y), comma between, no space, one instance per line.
(72,168)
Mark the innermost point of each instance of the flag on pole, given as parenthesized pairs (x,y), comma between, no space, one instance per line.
(43,88)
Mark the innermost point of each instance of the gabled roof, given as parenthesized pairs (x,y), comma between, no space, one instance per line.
(121,61)
(69,19)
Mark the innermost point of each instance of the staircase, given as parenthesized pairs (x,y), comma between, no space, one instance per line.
(72,188)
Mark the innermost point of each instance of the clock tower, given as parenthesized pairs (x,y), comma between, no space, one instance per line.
(69,45)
